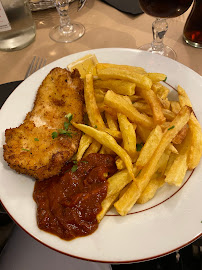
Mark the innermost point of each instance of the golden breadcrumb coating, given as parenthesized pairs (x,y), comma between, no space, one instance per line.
(30,148)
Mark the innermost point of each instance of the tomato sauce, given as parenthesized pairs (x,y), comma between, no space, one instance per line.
(67,205)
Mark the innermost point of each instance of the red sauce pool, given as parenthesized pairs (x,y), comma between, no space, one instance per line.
(67,205)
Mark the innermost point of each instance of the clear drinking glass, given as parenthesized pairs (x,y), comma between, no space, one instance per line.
(67,31)
(17,28)
(162,9)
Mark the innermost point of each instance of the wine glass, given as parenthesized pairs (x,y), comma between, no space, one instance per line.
(67,31)
(162,9)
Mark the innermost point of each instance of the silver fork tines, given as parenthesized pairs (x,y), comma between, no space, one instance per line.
(35,65)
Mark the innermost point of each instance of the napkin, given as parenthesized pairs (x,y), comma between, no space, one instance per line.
(128,6)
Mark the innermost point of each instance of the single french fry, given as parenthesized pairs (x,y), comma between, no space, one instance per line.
(99,95)
(151,189)
(91,106)
(160,90)
(163,161)
(128,135)
(178,169)
(83,145)
(154,104)
(93,148)
(195,152)
(106,204)
(135,98)
(118,103)
(149,147)
(169,115)
(108,141)
(143,133)
(171,159)
(126,201)
(119,74)
(118,86)
(111,121)
(164,102)
(181,135)
(175,106)
(102,150)
(121,67)
(172,148)
(183,97)
(156,77)
(129,198)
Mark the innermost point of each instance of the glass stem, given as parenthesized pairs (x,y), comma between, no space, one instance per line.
(159,29)
(62,7)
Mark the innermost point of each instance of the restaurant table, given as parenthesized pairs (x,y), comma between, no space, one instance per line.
(106,27)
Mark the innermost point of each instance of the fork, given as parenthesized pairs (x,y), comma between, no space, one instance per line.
(35,65)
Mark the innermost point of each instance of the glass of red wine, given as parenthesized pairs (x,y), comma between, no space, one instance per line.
(162,9)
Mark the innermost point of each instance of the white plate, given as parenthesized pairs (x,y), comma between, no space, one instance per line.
(168,222)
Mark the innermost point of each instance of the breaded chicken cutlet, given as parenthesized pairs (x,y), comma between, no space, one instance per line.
(31,148)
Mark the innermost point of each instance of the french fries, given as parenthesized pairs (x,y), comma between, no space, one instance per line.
(129,198)
(118,86)
(155,140)
(154,104)
(118,103)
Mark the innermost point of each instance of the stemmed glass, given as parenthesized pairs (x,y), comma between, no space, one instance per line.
(67,31)
(162,9)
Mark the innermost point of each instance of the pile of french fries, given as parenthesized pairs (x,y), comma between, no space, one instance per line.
(155,140)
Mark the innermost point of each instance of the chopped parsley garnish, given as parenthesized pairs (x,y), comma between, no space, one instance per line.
(84,161)
(165,79)
(74,161)
(139,146)
(66,125)
(74,168)
(64,131)
(25,149)
(95,126)
(54,134)
(36,139)
(171,128)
